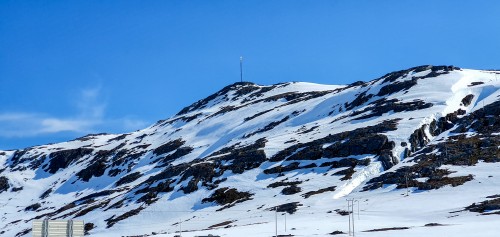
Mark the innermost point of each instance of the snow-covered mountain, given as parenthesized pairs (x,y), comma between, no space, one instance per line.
(225,164)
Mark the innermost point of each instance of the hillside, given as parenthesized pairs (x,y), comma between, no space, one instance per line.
(225,163)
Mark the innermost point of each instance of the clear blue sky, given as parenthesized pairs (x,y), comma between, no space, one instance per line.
(68,68)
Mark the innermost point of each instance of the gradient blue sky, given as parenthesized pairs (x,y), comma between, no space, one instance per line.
(68,68)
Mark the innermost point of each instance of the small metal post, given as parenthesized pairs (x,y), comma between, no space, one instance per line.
(285,223)
(358,208)
(276,219)
(241,69)
(352,208)
(406,178)
(349,212)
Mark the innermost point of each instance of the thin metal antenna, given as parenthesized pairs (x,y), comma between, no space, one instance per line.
(241,68)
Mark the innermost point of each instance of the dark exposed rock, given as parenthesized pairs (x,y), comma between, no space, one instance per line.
(180,152)
(488,206)
(88,227)
(224,196)
(475,83)
(290,190)
(113,220)
(433,224)
(16,189)
(224,223)
(17,158)
(169,147)
(148,198)
(360,141)
(23,232)
(243,158)
(96,169)
(382,106)
(245,89)
(118,138)
(311,193)
(97,194)
(393,76)
(387,229)
(396,87)
(346,172)
(493,196)
(92,208)
(304,131)
(33,207)
(290,208)
(360,99)
(283,183)
(223,110)
(114,172)
(418,138)
(257,115)
(46,193)
(342,212)
(204,172)
(128,178)
(62,159)
(467,100)
(4,184)
(281,169)
(268,127)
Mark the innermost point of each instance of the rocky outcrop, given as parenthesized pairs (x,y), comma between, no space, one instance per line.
(460,150)
(62,159)
(366,140)
(168,147)
(4,184)
(225,196)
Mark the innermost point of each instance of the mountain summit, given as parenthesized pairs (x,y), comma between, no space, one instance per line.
(225,164)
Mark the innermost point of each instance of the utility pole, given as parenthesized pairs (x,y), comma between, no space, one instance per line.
(350,210)
(358,208)
(406,178)
(180,227)
(285,223)
(276,220)
(241,69)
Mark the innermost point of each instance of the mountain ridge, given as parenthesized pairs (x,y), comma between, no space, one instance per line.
(240,145)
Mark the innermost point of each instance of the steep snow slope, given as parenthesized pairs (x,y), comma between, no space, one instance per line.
(230,159)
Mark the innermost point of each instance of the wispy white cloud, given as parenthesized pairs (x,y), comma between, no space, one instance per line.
(89,118)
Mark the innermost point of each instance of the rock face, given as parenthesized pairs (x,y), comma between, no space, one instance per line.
(248,144)
(4,184)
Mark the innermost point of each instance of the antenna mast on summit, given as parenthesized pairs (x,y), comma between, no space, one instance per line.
(241,69)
